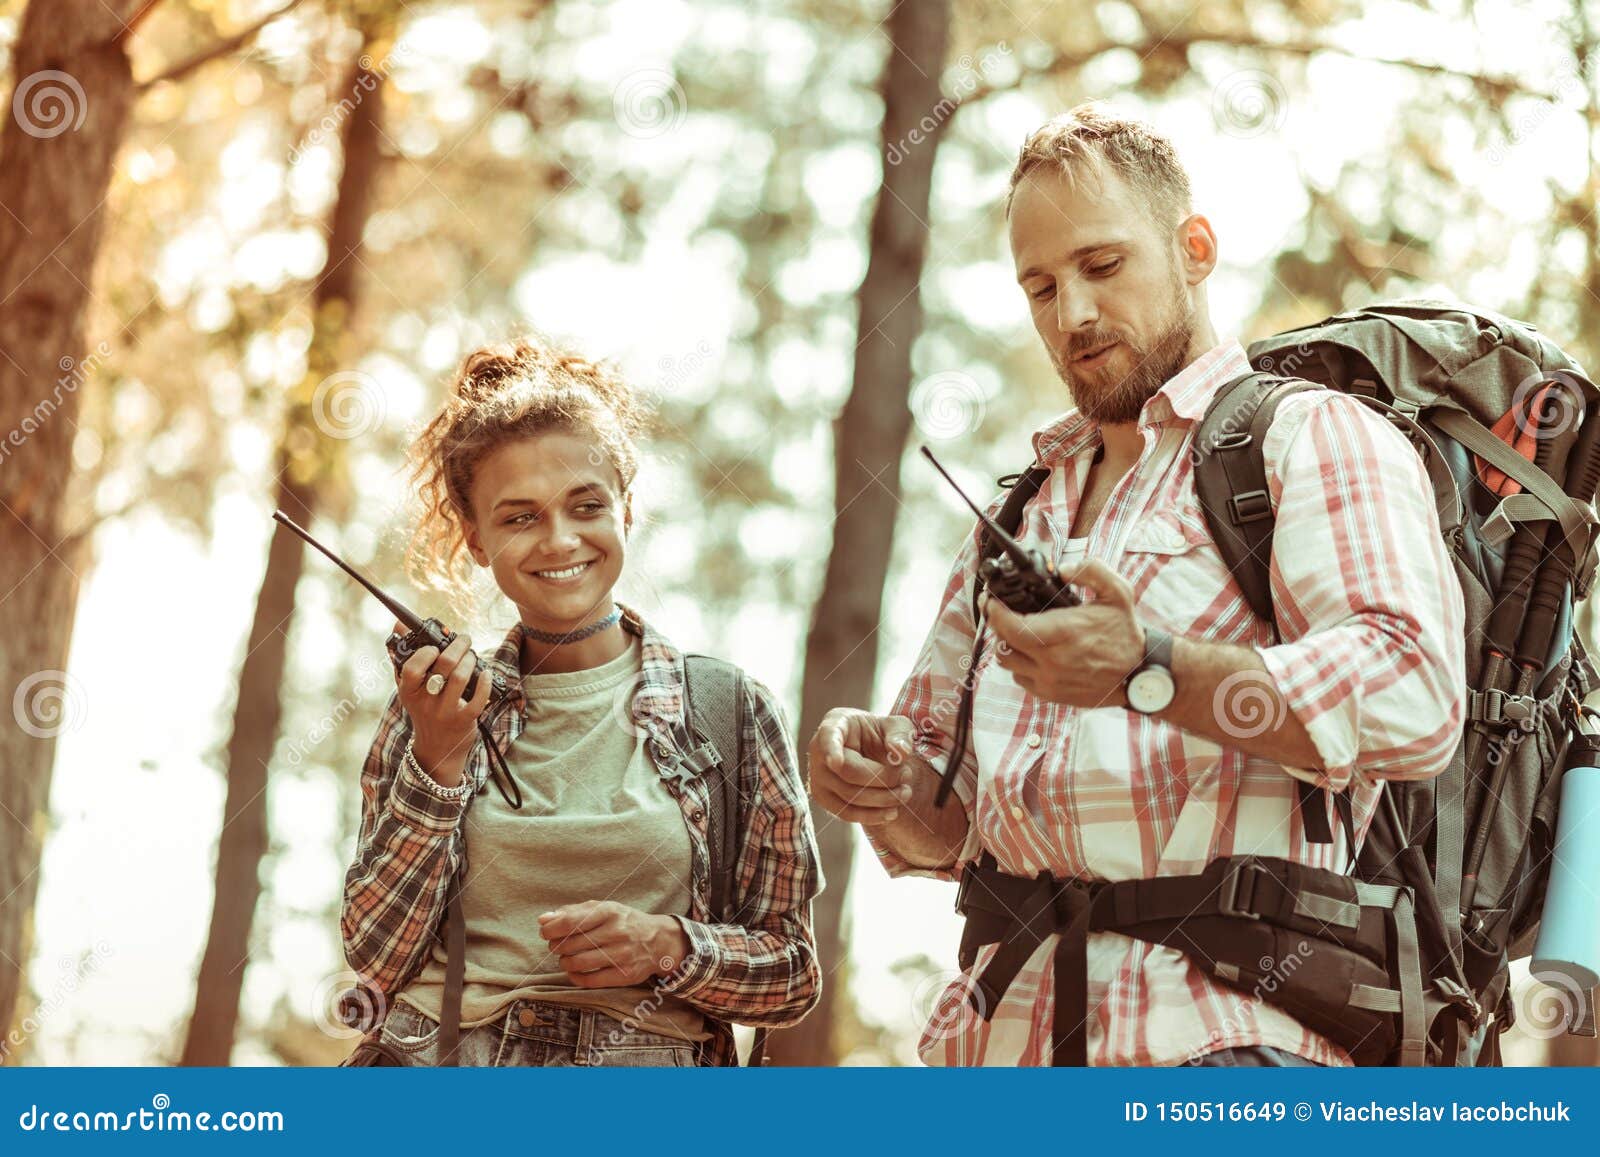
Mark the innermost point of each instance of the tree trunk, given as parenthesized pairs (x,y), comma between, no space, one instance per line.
(73,93)
(869,441)
(301,458)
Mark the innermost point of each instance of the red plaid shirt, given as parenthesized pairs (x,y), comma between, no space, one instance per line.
(1372,663)
(762,971)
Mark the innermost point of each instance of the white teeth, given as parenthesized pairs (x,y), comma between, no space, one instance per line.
(561,574)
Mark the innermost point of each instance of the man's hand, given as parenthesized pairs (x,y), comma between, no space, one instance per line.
(1079,655)
(603,944)
(859,765)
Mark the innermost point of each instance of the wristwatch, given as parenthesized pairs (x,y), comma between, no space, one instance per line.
(1150,686)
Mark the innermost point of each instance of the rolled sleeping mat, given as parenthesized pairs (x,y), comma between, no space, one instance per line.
(1566,954)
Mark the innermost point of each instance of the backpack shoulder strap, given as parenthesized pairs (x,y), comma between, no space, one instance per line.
(714,694)
(1020,489)
(1230,478)
(714,706)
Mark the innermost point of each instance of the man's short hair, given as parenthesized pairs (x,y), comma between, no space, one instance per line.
(1094,137)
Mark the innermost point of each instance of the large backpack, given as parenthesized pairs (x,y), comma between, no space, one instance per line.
(1507,427)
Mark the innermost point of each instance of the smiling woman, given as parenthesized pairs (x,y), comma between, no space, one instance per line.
(590,930)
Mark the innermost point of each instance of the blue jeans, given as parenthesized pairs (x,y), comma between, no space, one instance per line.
(1256,1057)
(536,1034)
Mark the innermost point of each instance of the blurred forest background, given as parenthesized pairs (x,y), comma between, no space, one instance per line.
(243,242)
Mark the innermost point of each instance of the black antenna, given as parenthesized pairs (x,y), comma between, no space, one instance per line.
(1016,550)
(408,617)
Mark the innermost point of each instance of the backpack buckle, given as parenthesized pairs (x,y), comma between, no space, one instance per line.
(1459,997)
(1236,897)
(670,763)
(964,887)
(1499,709)
(1251,506)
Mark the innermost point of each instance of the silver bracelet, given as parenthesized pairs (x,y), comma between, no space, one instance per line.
(453,794)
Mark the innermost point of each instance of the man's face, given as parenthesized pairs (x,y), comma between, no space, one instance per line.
(1099,272)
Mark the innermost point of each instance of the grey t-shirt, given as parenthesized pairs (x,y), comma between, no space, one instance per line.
(596,823)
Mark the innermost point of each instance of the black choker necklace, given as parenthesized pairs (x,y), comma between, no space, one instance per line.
(555,639)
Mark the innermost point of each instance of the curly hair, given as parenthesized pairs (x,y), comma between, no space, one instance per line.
(515,389)
(1093,137)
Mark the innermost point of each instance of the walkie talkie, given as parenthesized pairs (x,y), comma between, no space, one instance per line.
(429,633)
(1020,578)
(421,632)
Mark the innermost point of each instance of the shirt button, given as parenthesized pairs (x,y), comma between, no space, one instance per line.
(1016,811)
(1035,739)
(697,815)
(525,1018)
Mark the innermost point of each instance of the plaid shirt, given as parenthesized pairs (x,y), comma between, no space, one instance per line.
(761,972)
(1372,663)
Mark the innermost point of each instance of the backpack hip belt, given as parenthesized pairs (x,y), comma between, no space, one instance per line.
(1339,955)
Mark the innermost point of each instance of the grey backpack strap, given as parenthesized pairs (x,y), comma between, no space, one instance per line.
(714,706)
(1230,479)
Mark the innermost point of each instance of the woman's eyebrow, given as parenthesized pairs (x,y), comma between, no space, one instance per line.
(581,488)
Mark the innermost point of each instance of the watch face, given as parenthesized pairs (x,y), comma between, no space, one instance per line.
(1150,689)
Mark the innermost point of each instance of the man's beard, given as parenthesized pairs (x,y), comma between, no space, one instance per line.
(1119,402)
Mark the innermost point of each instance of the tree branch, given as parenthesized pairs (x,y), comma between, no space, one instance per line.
(135,20)
(72,539)
(220,49)
(1499,87)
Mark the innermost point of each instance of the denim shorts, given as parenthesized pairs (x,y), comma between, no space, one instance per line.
(538,1034)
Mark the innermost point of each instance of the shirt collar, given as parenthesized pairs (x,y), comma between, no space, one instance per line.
(1185,395)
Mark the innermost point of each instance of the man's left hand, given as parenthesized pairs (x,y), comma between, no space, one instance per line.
(1078,656)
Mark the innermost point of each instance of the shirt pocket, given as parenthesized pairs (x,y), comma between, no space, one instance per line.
(1173,567)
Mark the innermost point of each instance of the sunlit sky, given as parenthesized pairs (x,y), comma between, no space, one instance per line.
(134,804)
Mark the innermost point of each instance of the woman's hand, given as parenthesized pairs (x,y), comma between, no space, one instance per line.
(444,726)
(604,944)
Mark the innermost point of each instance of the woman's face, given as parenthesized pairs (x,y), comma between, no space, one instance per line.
(550,520)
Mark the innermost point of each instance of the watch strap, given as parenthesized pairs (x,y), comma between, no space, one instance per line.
(1157,649)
